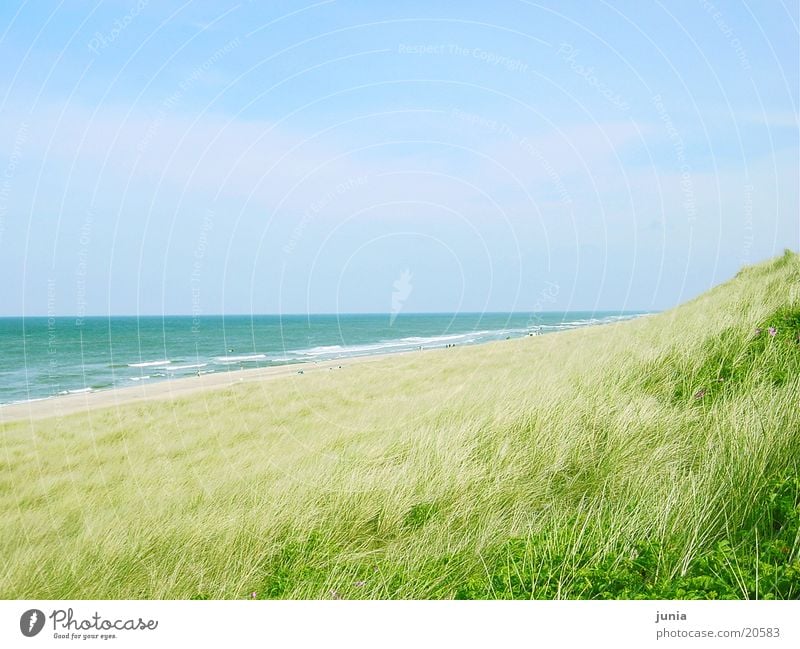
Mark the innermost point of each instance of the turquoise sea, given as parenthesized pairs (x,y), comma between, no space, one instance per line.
(44,357)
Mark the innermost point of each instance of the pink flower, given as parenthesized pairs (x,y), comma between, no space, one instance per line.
(253,595)
(772,331)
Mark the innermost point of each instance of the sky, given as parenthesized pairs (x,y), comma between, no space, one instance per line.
(208,157)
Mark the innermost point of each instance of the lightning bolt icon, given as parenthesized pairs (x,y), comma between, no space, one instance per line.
(32,621)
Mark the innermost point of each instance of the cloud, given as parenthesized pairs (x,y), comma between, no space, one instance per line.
(207,154)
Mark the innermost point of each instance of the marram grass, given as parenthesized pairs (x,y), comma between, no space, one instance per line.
(656,458)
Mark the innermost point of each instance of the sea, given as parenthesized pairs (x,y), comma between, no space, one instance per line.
(43,358)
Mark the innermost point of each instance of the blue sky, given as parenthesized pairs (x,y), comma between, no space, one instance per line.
(213,157)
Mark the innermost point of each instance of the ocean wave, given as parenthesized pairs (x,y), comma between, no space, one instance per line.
(398,344)
(20,401)
(250,358)
(175,368)
(77,391)
(316,351)
(442,338)
(150,364)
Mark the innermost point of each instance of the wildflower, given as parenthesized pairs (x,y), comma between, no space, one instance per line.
(253,595)
(757,331)
(700,393)
(772,331)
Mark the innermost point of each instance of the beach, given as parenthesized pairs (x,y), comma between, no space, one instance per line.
(59,364)
(171,389)
(63,356)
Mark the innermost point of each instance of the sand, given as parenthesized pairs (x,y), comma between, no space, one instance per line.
(169,389)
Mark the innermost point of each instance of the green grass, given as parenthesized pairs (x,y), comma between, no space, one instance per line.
(656,458)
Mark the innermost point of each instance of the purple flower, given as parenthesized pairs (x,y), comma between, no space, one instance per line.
(253,595)
(772,331)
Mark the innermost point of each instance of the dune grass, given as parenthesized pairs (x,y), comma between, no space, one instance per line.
(655,458)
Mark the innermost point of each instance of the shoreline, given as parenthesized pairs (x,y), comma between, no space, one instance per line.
(61,405)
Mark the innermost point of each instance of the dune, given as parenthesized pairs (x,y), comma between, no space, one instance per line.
(652,458)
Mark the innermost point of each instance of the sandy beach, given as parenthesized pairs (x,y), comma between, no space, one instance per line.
(170,389)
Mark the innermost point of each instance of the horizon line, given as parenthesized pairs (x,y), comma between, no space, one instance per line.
(322,313)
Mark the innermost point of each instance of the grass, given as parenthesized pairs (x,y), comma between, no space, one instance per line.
(656,458)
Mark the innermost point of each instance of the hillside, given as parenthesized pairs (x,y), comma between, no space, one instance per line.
(653,458)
